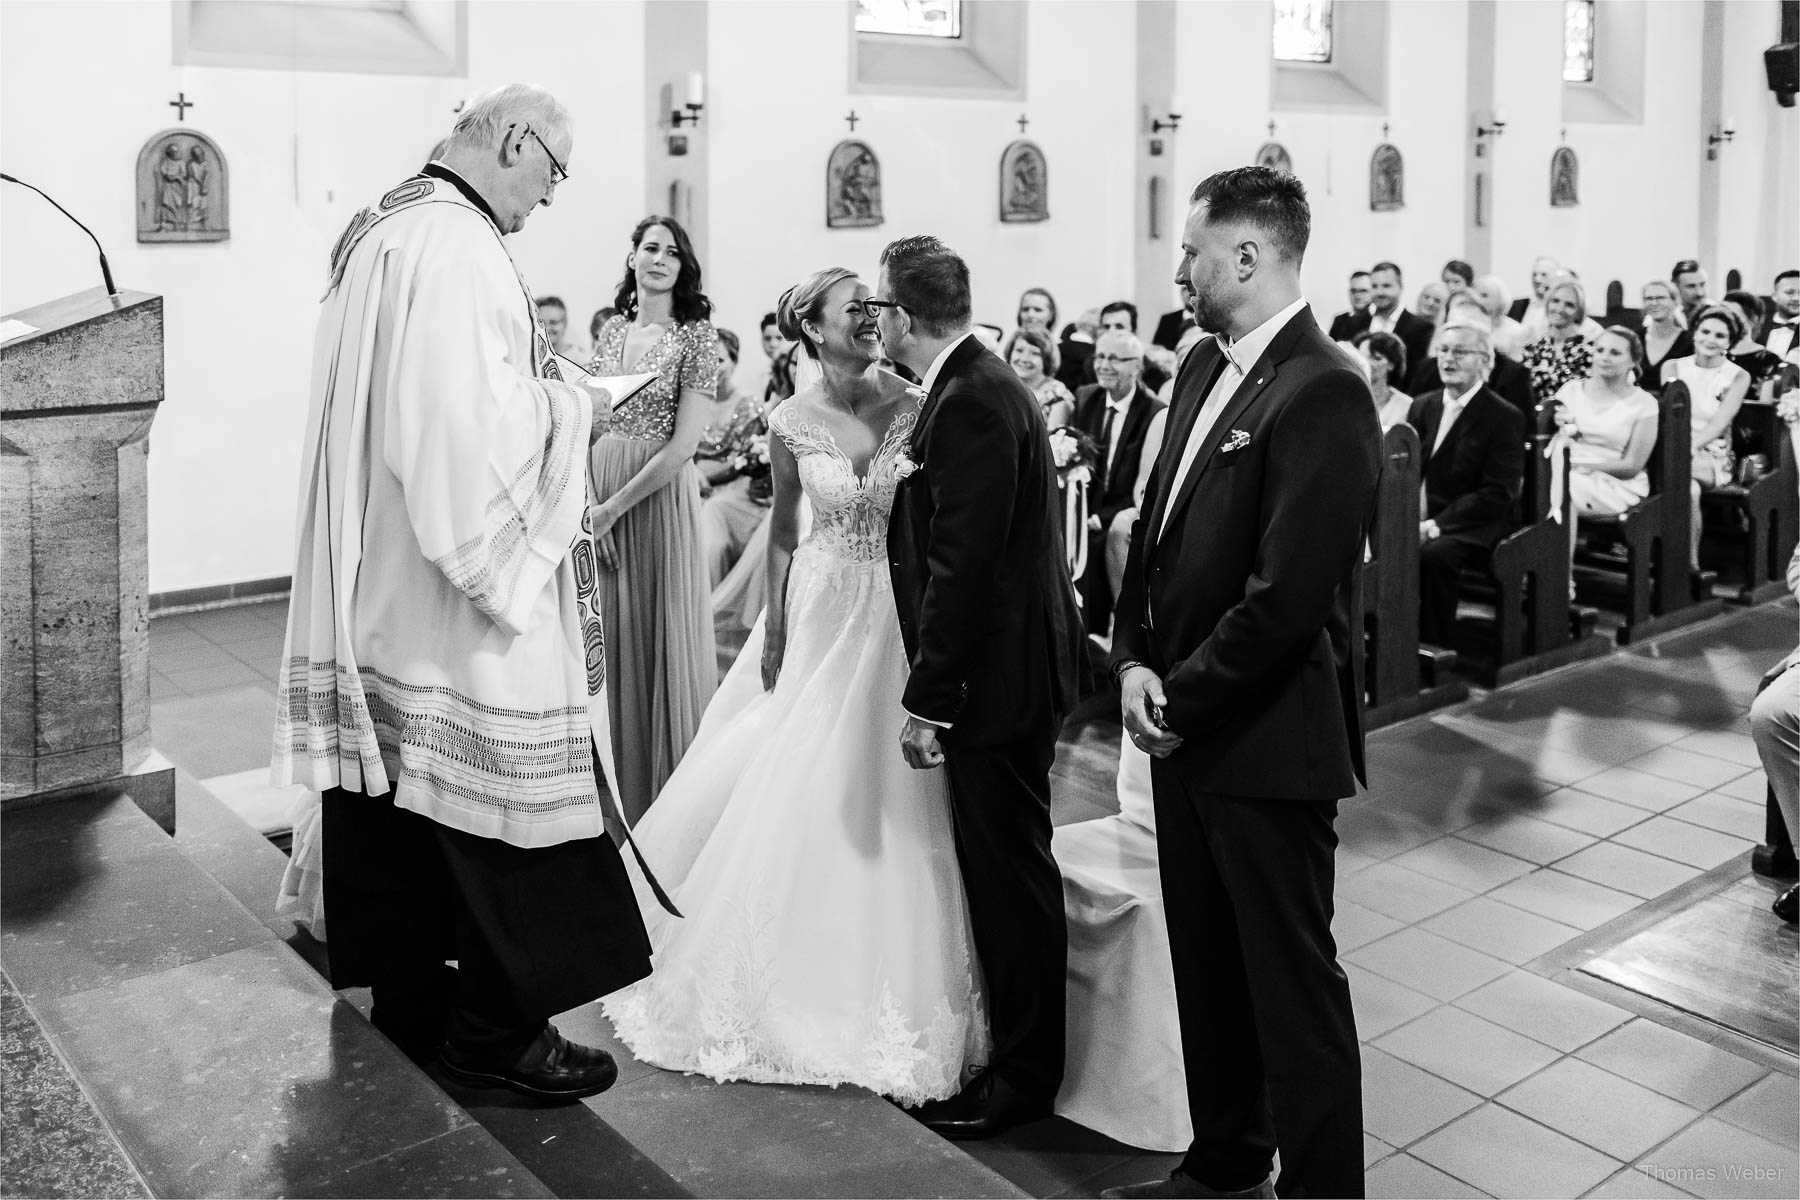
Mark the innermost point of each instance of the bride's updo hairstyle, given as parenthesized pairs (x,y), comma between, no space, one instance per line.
(805,301)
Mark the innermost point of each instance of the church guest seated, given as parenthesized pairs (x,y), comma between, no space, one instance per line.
(1664,333)
(736,502)
(1759,362)
(1385,357)
(1034,359)
(1563,352)
(1429,304)
(1529,311)
(755,370)
(1690,281)
(1457,276)
(1118,315)
(1170,326)
(1775,727)
(598,321)
(1116,413)
(1612,423)
(1344,326)
(1473,444)
(1716,389)
(1781,331)
(1387,315)
(1508,379)
(553,315)
(1509,335)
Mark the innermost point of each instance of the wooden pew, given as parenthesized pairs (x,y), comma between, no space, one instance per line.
(1775,856)
(1402,678)
(1660,591)
(1769,508)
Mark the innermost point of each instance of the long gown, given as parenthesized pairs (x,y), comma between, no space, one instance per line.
(825,934)
(656,606)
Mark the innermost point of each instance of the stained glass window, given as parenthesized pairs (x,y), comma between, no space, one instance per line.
(910,18)
(1303,30)
(1578,41)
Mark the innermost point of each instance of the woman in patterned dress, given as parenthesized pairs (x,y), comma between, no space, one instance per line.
(655,597)
(1562,353)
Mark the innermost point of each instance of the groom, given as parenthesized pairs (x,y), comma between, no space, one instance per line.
(988,614)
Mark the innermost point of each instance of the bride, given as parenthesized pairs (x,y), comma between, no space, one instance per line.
(824,936)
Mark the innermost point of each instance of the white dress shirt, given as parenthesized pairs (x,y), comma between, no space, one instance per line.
(1381,324)
(1783,336)
(1240,356)
(1452,410)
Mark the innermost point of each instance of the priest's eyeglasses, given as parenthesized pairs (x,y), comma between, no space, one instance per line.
(562,173)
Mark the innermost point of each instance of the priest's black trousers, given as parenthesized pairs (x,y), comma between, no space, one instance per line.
(532,932)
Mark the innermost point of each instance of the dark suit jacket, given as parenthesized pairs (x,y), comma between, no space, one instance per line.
(1472,482)
(1170,328)
(1509,380)
(1077,368)
(987,609)
(1413,331)
(1113,486)
(1244,604)
(1344,325)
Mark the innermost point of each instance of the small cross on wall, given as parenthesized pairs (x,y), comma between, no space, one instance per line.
(1384,131)
(1023,122)
(181,104)
(852,119)
(1271,130)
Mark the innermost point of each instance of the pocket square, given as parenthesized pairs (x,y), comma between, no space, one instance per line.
(1237,439)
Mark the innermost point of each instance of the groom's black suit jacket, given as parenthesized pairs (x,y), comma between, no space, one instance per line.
(1246,604)
(986,606)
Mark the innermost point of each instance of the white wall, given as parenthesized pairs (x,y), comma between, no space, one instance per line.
(1759,172)
(82,87)
(775,117)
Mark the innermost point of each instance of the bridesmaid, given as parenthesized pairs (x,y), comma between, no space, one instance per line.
(655,596)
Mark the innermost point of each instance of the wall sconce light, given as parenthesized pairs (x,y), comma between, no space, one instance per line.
(1718,137)
(1171,123)
(1486,133)
(696,100)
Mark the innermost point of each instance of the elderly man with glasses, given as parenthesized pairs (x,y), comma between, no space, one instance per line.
(1473,444)
(1116,413)
(441,682)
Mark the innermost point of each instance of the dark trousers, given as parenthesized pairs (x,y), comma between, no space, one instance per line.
(1095,587)
(1267,1035)
(1441,561)
(1000,805)
(533,932)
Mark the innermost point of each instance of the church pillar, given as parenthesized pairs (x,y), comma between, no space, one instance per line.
(77,396)
(1158,188)
(675,170)
(1478,159)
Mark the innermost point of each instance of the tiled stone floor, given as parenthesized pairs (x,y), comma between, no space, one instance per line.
(1492,833)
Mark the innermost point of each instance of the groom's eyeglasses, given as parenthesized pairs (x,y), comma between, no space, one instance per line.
(872,308)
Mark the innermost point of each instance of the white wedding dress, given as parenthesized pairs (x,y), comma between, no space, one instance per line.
(824,936)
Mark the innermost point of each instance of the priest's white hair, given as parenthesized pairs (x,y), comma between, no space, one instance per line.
(484,119)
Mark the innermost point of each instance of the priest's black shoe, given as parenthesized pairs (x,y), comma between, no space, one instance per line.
(551,1068)
(1787,905)
(986,1107)
(1179,1185)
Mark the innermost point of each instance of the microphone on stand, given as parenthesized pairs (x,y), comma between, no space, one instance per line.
(105,269)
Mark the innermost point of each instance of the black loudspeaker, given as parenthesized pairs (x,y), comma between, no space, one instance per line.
(1782,62)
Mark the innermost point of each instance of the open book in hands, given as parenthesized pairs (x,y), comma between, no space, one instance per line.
(621,389)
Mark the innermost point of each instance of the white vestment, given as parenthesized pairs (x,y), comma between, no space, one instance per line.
(436,645)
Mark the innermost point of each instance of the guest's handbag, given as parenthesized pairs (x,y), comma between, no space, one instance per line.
(1714,464)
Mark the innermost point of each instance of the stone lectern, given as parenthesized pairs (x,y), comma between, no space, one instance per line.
(77,395)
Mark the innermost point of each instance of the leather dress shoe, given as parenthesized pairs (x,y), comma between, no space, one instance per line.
(1787,905)
(988,1106)
(1179,1185)
(551,1068)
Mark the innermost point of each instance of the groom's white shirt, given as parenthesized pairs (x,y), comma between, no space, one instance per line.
(931,374)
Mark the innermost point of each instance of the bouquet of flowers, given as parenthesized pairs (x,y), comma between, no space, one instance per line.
(753,464)
(1074,455)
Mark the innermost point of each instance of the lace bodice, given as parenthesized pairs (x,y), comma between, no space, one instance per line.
(850,514)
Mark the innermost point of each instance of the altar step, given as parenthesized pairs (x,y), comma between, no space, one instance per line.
(218,1061)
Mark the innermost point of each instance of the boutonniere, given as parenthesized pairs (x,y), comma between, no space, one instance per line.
(1236,440)
(904,466)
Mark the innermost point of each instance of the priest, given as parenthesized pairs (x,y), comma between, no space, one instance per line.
(442,682)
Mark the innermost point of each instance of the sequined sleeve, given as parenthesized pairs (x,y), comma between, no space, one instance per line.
(698,362)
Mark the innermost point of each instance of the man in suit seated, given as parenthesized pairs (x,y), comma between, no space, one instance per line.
(1781,329)
(1116,413)
(1387,315)
(1473,444)
(1345,325)
(1689,278)
(1508,379)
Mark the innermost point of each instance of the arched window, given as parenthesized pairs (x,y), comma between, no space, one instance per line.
(1578,41)
(1302,31)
